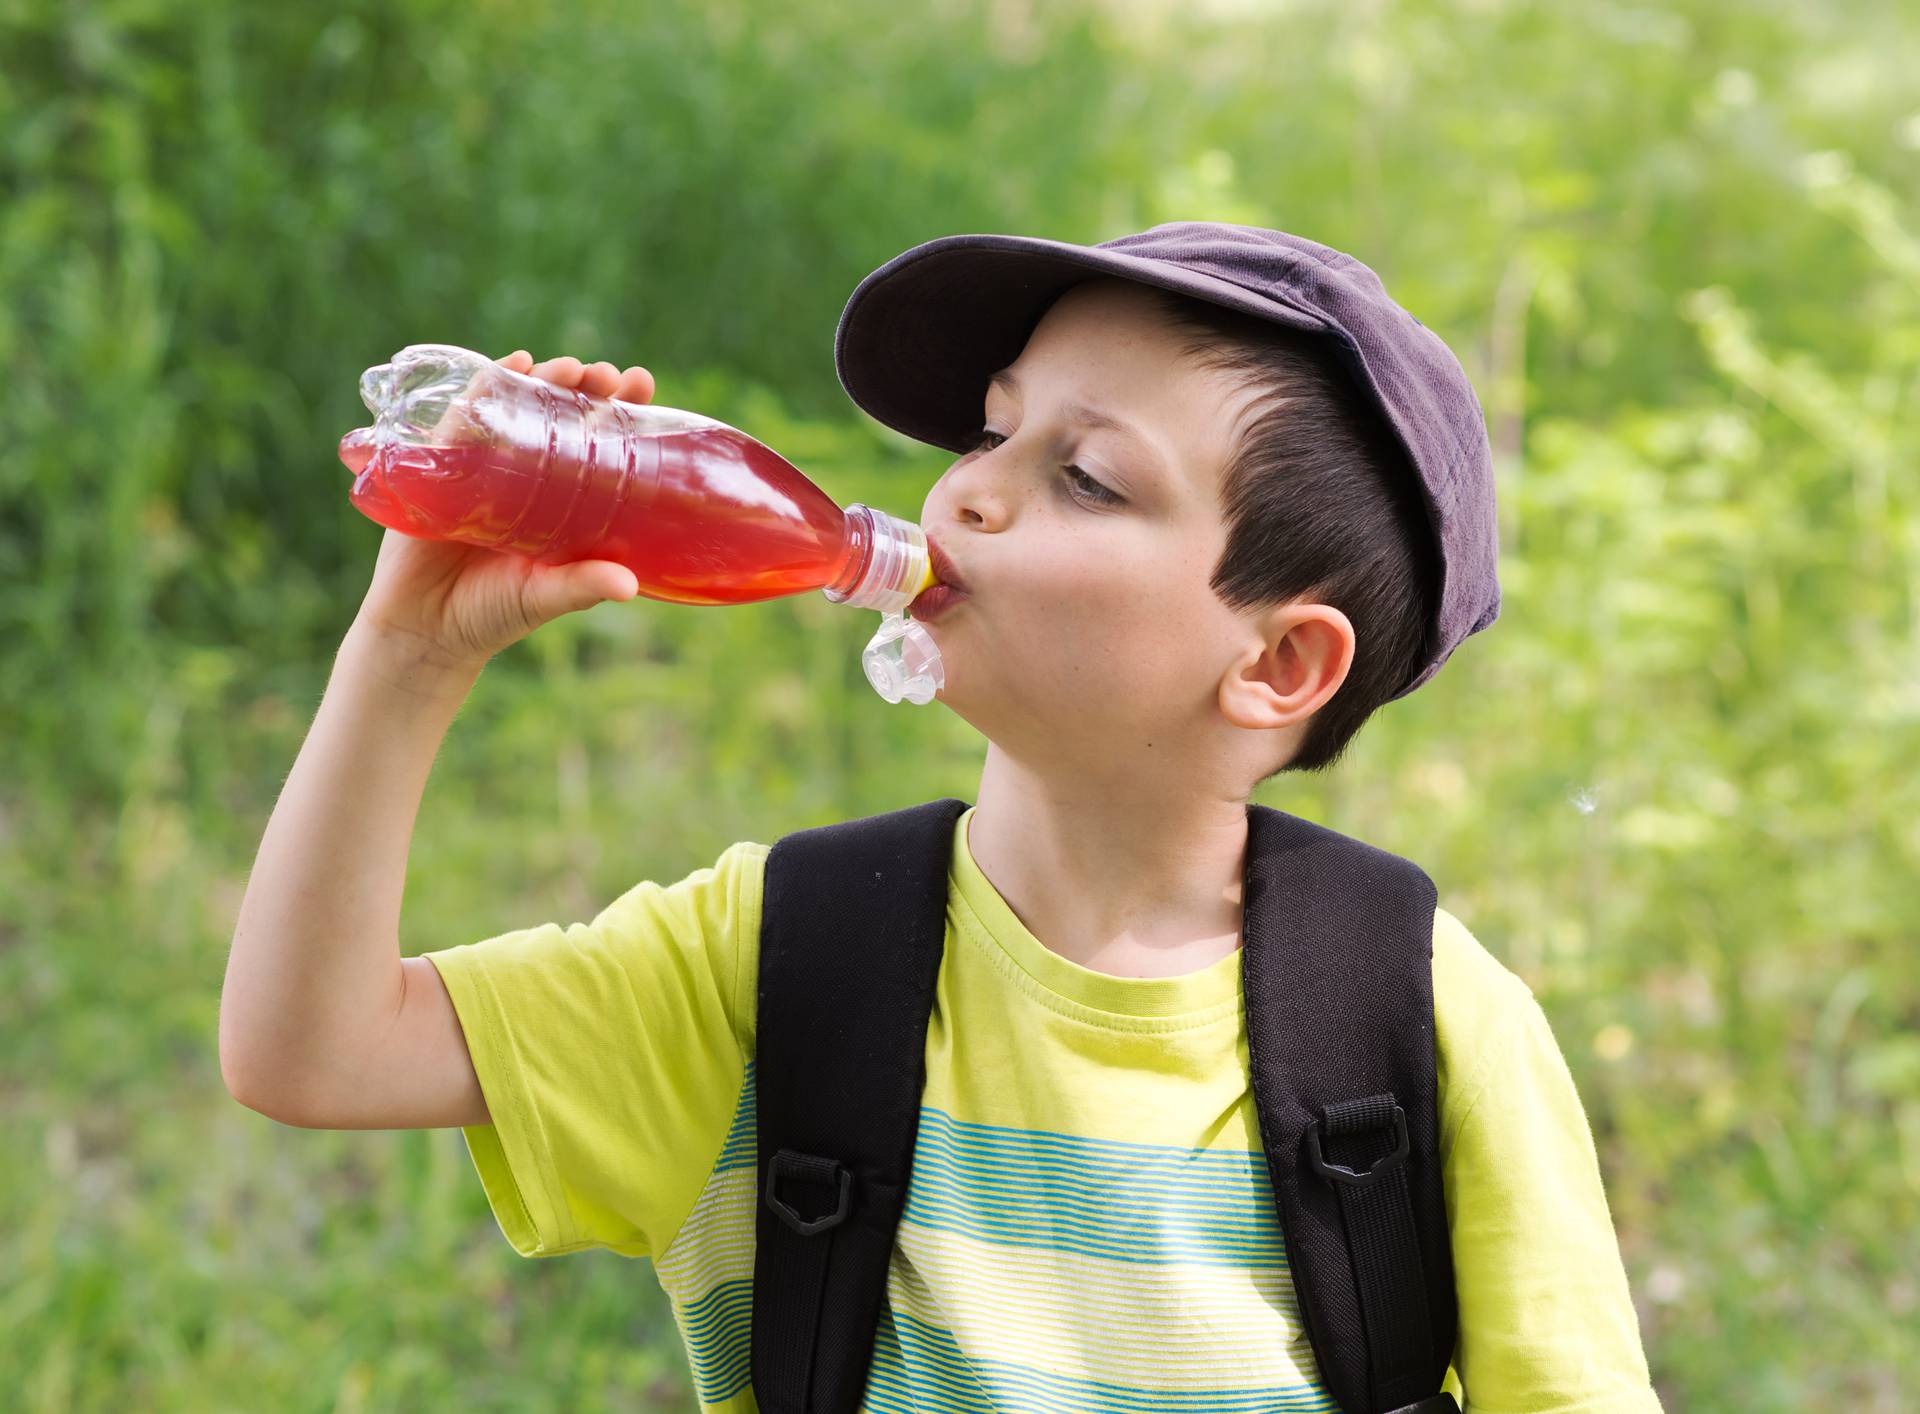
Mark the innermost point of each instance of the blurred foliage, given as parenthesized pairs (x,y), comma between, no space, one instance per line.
(1677,248)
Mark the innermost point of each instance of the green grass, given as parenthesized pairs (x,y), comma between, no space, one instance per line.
(1677,250)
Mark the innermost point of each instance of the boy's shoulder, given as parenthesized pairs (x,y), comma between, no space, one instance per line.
(1480,1007)
(1466,971)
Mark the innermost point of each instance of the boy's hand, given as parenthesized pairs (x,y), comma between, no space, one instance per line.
(458,605)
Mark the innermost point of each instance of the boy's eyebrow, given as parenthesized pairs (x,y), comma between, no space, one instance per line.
(1085,416)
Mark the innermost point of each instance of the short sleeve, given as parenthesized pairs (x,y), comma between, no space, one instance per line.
(610,1057)
(1547,1325)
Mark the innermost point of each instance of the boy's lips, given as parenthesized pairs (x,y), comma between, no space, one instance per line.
(943,569)
(948,590)
(935,600)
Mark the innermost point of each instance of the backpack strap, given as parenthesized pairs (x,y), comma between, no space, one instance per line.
(853,925)
(1338,972)
(1339,997)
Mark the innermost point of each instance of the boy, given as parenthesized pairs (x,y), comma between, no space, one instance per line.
(1219,499)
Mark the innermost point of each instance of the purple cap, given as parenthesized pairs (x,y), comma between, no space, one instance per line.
(921,336)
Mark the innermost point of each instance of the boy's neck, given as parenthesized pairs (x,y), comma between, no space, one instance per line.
(1121,877)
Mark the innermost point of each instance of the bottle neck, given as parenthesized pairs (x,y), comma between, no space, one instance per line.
(885,565)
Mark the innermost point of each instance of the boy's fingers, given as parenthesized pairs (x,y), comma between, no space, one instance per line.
(636,386)
(600,379)
(564,370)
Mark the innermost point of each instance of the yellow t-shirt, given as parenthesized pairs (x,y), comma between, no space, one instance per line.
(1089,1223)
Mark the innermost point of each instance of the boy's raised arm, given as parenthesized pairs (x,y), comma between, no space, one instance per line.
(322,1023)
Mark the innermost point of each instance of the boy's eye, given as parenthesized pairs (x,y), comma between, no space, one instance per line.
(1081,486)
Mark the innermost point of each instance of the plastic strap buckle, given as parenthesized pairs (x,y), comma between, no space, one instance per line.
(813,1168)
(1381,1167)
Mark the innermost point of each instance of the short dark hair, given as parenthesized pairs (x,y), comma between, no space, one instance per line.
(1321,505)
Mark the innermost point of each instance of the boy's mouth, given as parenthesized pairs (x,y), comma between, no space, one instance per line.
(949,589)
(943,570)
(934,601)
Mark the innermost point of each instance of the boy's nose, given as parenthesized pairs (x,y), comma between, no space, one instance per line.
(976,500)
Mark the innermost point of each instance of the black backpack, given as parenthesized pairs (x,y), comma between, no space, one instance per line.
(1337,962)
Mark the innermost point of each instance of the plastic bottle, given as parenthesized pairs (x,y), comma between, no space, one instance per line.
(464,449)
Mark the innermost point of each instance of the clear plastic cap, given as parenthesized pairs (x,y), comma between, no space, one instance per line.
(903,662)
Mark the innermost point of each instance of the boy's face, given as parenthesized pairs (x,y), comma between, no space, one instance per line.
(1089,636)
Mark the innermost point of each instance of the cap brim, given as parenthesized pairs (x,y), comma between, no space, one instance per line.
(920,336)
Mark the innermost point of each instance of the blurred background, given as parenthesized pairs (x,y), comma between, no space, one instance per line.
(1676,246)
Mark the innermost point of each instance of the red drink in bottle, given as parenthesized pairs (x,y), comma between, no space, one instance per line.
(464,449)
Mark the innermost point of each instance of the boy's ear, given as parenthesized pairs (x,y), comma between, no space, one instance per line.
(1296,657)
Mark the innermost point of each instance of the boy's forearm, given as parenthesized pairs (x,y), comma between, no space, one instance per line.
(314,970)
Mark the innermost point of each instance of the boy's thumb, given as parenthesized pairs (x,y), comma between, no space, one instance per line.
(568,588)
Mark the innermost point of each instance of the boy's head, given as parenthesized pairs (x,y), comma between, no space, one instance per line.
(1192,543)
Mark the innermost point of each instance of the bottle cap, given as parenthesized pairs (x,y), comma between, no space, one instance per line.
(903,662)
